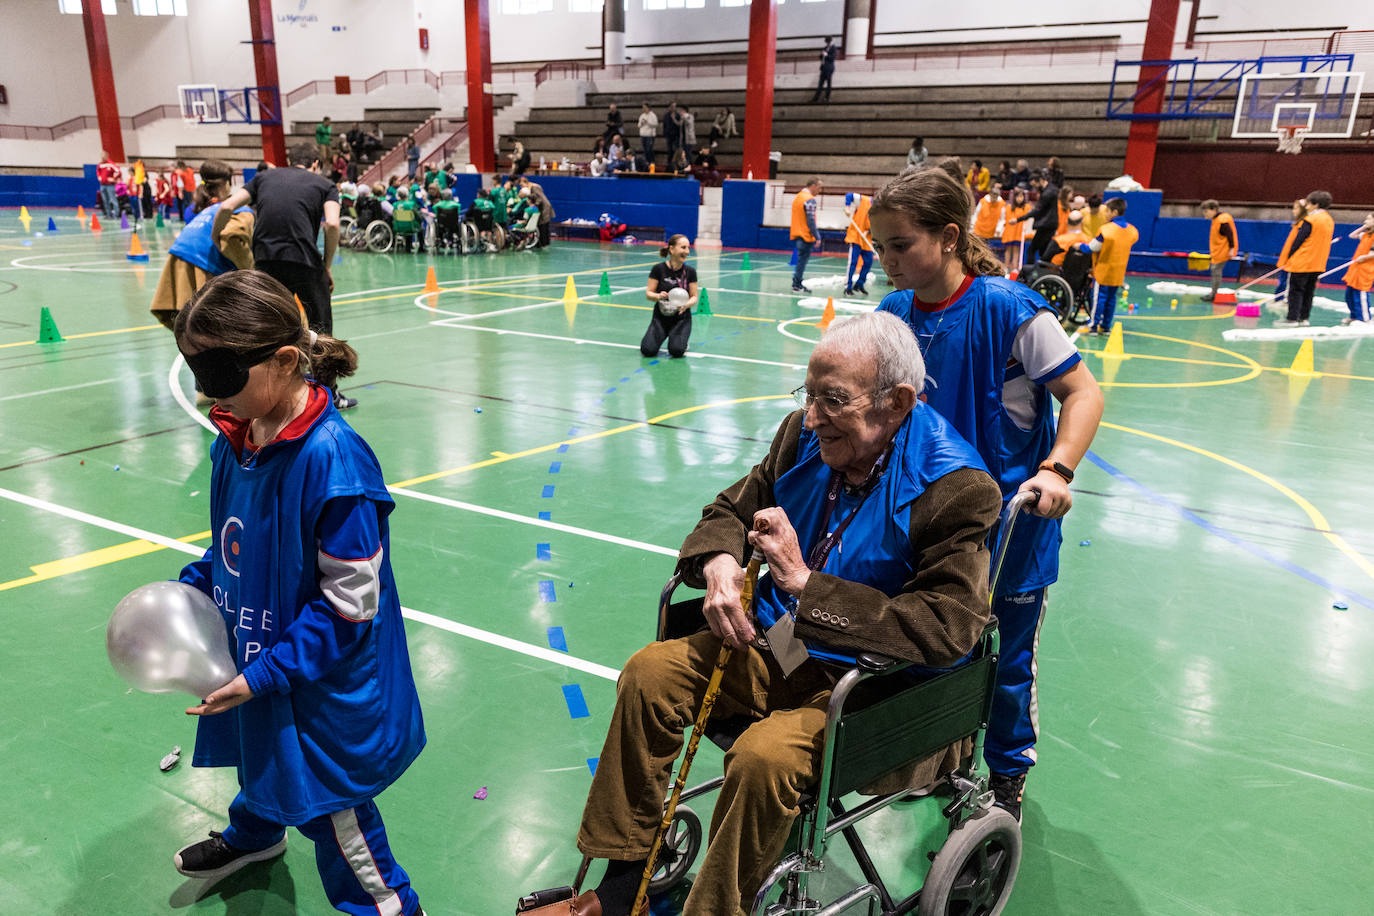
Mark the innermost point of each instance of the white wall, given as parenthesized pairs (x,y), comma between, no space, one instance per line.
(650,33)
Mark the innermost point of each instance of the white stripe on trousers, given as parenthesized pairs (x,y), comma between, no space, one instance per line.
(1362,297)
(1034,708)
(355,851)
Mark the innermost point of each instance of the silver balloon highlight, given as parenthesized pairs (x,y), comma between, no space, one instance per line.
(168,636)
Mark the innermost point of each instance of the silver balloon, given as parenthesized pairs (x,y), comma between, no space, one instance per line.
(676,301)
(168,636)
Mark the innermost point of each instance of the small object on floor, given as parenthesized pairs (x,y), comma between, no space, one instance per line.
(116,467)
(480,794)
(1173,303)
(476,410)
(1341,605)
(213,859)
(171,759)
(1085,543)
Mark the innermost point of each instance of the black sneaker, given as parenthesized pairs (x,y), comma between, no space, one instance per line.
(1007,790)
(213,859)
(342,402)
(798,288)
(860,290)
(849,290)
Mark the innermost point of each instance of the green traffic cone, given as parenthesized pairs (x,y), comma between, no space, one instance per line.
(704,303)
(745,265)
(47,329)
(605,289)
(159,224)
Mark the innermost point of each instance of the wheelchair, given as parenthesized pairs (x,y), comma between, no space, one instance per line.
(448,230)
(1067,288)
(524,236)
(881,719)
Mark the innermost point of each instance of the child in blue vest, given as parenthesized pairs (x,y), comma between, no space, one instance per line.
(995,354)
(324,714)
(193,257)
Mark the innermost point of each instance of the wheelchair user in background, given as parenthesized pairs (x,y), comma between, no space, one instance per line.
(1064,277)
(480,217)
(873,516)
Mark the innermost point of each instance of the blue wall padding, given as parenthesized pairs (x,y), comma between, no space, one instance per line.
(48,191)
(741,213)
(670,203)
(1142,211)
(1260,239)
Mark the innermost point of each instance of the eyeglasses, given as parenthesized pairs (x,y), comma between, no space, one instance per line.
(829,404)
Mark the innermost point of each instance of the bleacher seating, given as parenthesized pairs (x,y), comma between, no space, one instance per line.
(860,138)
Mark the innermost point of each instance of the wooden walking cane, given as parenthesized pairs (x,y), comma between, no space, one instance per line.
(746,600)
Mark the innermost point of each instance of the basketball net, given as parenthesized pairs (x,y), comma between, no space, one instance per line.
(1290,139)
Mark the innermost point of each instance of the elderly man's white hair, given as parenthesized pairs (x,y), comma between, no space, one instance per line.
(884,341)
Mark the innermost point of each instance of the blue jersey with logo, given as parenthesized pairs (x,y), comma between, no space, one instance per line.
(875,548)
(195,246)
(967,347)
(335,717)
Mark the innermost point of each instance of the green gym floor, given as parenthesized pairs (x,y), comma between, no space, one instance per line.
(1206,672)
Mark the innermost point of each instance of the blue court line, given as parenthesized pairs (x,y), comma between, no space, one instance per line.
(547,594)
(1268,556)
(542,552)
(625,379)
(548,491)
(610,389)
(555,467)
(562,448)
(557,641)
(577,706)
(546,516)
(572,430)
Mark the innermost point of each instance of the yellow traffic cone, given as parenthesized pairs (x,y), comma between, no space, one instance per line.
(1303,363)
(570,291)
(1115,348)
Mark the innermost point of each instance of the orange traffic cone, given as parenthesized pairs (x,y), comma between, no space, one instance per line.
(80,213)
(95,223)
(829,314)
(136,252)
(431,281)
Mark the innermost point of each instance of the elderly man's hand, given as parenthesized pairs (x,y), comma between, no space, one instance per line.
(774,535)
(724,580)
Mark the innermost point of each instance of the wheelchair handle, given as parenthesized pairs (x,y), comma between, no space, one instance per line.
(1019,503)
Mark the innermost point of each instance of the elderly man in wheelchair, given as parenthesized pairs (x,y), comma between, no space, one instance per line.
(873,516)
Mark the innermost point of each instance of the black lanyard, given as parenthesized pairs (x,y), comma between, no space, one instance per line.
(821,552)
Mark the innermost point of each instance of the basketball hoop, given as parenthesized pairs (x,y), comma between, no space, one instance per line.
(1291,137)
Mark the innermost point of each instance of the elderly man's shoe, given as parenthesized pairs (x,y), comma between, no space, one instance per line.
(585,904)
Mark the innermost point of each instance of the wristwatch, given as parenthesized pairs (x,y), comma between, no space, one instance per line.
(1059,468)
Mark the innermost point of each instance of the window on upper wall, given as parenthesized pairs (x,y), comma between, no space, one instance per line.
(159,7)
(524,7)
(674,4)
(74,6)
(585,6)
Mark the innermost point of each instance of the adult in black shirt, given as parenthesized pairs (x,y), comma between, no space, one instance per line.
(828,54)
(670,321)
(615,123)
(290,204)
(1044,217)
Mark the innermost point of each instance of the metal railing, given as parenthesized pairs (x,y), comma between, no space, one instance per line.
(451,144)
(395,157)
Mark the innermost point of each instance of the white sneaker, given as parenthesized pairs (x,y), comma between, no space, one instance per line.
(1346,322)
(1304,323)
(1285,323)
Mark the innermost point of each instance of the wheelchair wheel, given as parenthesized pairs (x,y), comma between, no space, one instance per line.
(498,236)
(471,238)
(974,871)
(379,236)
(1055,290)
(681,844)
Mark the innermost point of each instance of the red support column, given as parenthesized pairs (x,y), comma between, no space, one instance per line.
(758,103)
(265,67)
(102,79)
(1159,45)
(481,133)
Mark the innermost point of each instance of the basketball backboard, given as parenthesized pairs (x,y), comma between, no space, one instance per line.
(1320,104)
(200,104)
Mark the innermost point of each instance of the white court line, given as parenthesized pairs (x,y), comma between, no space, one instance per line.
(782,329)
(174,384)
(537,522)
(606,343)
(457,316)
(443,623)
(105,381)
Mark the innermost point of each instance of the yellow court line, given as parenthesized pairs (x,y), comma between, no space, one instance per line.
(503,457)
(1216,317)
(1253,367)
(1318,520)
(142,327)
(93,558)
(1246,362)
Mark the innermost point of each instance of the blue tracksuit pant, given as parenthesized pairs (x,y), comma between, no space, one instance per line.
(351,851)
(1106,306)
(1014,723)
(1358,303)
(859,259)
